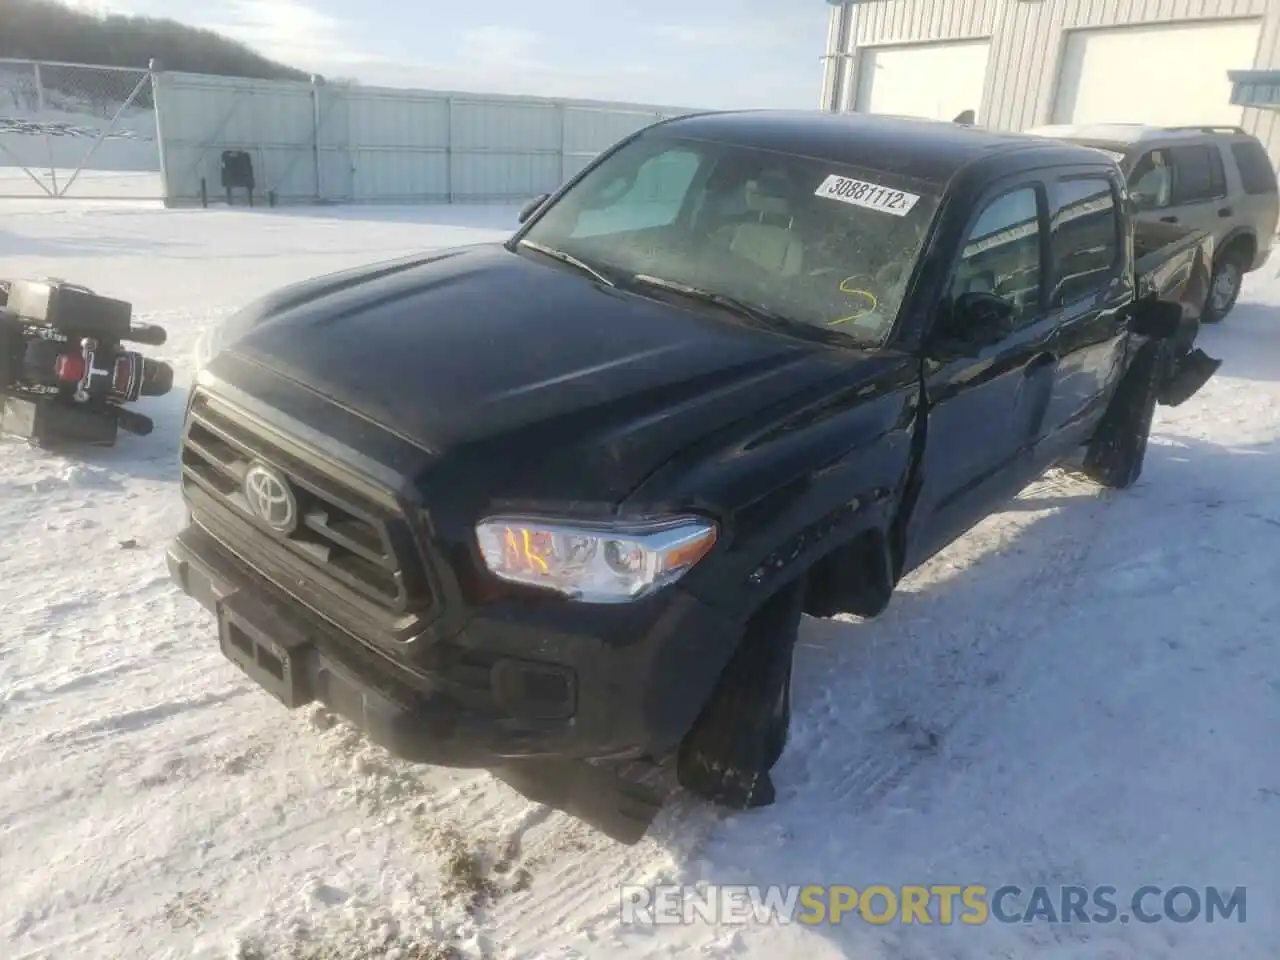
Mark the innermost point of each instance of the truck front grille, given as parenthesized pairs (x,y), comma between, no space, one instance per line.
(345,543)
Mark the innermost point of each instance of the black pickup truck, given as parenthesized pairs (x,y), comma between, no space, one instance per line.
(566,498)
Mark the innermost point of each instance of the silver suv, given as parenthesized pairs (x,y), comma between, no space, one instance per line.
(1217,179)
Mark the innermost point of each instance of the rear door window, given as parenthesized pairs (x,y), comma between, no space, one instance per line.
(1198,174)
(1255,167)
(1084,238)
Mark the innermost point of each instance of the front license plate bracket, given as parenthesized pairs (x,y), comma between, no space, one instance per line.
(275,658)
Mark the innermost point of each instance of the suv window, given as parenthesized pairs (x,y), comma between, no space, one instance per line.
(1151,181)
(1255,167)
(1084,238)
(1198,174)
(1001,254)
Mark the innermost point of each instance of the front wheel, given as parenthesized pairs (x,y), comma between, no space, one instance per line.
(1224,288)
(742,731)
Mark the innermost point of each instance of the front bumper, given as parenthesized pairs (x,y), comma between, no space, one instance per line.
(566,682)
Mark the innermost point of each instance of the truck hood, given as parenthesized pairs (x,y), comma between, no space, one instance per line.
(517,375)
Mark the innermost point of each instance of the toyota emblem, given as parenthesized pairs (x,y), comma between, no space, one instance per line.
(270,498)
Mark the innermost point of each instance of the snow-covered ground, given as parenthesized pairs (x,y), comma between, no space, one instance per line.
(1084,690)
(38,180)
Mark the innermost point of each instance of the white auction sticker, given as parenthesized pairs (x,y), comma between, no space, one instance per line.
(869,195)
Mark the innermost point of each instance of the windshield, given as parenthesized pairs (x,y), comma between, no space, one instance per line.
(806,240)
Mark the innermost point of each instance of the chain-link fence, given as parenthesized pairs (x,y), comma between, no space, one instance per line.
(70,130)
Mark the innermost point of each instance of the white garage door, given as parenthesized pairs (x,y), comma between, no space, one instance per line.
(1183,71)
(933,80)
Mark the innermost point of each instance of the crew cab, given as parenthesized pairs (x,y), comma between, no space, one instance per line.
(566,497)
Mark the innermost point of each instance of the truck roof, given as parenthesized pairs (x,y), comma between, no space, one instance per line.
(928,150)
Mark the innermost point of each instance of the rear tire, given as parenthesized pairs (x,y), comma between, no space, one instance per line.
(1224,287)
(1114,457)
(742,731)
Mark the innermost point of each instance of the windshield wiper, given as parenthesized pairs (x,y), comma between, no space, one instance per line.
(570,259)
(753,311)
(759,314)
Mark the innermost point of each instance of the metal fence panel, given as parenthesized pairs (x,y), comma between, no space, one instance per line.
(333,138)
(72,130)
(331,142)
(504,177)
(385,118)
(203,116)
(588,131)
(398,145)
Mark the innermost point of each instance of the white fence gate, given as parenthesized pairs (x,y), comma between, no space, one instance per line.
(327,142)
(71,130)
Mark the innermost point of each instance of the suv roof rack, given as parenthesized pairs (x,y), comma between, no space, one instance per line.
(1208,128)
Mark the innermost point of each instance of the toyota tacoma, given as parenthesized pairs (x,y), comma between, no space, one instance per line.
(565,498)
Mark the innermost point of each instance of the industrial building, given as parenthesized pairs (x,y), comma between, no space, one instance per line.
(1027,63)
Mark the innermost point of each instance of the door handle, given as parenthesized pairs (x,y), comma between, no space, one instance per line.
(1225,212)
(1168,219)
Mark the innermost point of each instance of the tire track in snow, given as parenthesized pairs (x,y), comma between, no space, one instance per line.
(134,721)
(996,633)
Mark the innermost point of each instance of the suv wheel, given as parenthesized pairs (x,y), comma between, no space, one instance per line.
(1224,288)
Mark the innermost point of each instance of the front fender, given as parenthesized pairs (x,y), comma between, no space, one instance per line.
(792,488)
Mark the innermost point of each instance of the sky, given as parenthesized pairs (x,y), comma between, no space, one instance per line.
(695,53)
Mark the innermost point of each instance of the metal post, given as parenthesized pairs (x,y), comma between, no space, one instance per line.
(448,155)
(837,74)
(562,112)
(316,82)
(53,173)
(155,69)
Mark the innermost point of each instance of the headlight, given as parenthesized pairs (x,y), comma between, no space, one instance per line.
(603,563)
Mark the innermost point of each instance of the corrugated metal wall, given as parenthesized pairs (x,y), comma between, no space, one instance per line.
(1027,39)
(329,142)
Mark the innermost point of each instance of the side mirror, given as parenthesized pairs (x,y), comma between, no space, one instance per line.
(1158,319)
(976,321)
(531,207)
(1142,202)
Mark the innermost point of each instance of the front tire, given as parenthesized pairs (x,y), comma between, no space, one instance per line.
(742,731)
(1115,455)
(1224,287)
